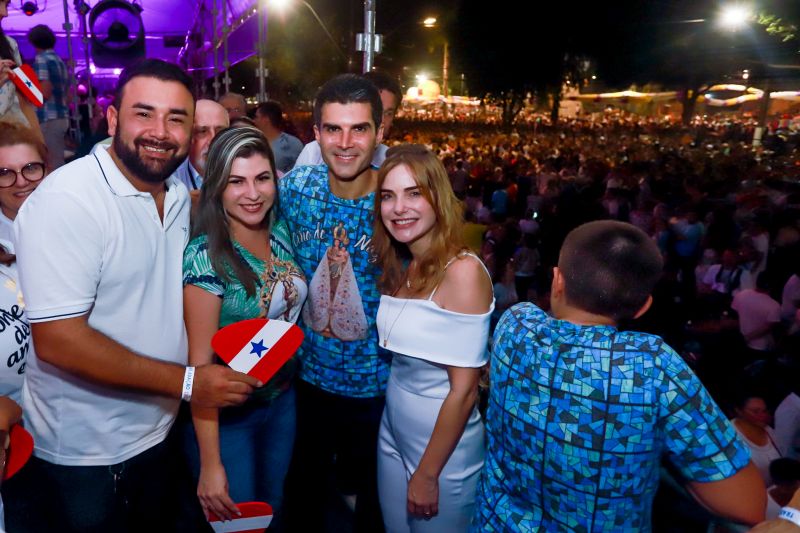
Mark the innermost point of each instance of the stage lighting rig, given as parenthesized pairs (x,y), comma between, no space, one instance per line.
(30,7)
(116,33)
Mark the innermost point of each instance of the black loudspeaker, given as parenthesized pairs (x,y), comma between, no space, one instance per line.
(116,33)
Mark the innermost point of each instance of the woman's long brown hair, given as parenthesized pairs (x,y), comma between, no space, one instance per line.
(447,237)
(211,219)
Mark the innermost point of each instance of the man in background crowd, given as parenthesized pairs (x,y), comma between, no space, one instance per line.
(285,147)
(209,119)
(52,72)
(234,104)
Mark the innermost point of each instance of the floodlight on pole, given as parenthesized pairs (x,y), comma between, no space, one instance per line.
(283,5)
(422,77)
(432,22)
(734,17)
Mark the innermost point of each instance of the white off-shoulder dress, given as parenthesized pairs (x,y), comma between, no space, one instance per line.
(424,340)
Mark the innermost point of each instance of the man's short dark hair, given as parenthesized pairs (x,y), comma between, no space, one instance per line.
(349,89)
(42,37)
(152,68)
(610,268)
(384,82)
(271,110)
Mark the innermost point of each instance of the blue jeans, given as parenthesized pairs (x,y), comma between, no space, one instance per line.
(256,444)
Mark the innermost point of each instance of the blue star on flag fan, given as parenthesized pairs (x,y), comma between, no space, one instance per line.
(258,348)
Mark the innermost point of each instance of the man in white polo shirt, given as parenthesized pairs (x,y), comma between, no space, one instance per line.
(99,254)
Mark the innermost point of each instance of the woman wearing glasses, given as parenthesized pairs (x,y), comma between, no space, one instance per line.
(22,157)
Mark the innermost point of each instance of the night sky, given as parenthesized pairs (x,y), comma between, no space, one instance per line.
(521,44)
(628,41)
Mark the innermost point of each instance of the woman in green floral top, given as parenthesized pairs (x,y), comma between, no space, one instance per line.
(239,265)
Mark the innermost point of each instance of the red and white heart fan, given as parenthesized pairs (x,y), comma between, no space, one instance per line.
(258,347)
(255,518)
(19,450)
(25,80)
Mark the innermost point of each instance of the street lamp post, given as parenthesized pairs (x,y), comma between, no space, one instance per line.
(735,17)
(369,42)
(431,22)
(261,71)
(445,68)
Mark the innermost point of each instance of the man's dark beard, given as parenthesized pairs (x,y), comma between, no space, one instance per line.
(132,161)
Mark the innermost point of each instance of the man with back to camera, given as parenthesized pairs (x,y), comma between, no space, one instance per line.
(100,256)
(581,413)
(391,96)
(340,394)
(210,118)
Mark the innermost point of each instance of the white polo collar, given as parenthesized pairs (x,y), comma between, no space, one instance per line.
(117,182)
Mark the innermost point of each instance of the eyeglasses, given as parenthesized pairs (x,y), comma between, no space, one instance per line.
(31,172)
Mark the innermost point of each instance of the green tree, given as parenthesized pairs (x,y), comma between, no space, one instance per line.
(778,26)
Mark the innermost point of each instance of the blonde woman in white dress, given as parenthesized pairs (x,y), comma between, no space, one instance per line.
(434,319)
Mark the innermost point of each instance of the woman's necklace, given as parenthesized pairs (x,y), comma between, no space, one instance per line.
(396,318)
(408,275)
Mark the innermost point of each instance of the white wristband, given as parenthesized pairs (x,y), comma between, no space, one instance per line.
(791,514)
(188,381)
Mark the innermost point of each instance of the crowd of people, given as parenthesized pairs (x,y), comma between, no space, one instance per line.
(502,331)
(723,215)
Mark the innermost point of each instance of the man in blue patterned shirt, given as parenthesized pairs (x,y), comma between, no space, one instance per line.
(580,413)
(52,72)
(340,395)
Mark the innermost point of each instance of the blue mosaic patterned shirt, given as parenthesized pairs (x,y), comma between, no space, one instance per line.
(578,420)
(332,239)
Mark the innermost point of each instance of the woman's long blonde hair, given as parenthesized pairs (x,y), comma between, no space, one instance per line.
(447,237)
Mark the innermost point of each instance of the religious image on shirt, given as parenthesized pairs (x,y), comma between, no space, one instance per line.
(334,307)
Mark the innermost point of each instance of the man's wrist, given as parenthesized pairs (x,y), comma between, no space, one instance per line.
(188,383)
(791,514)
